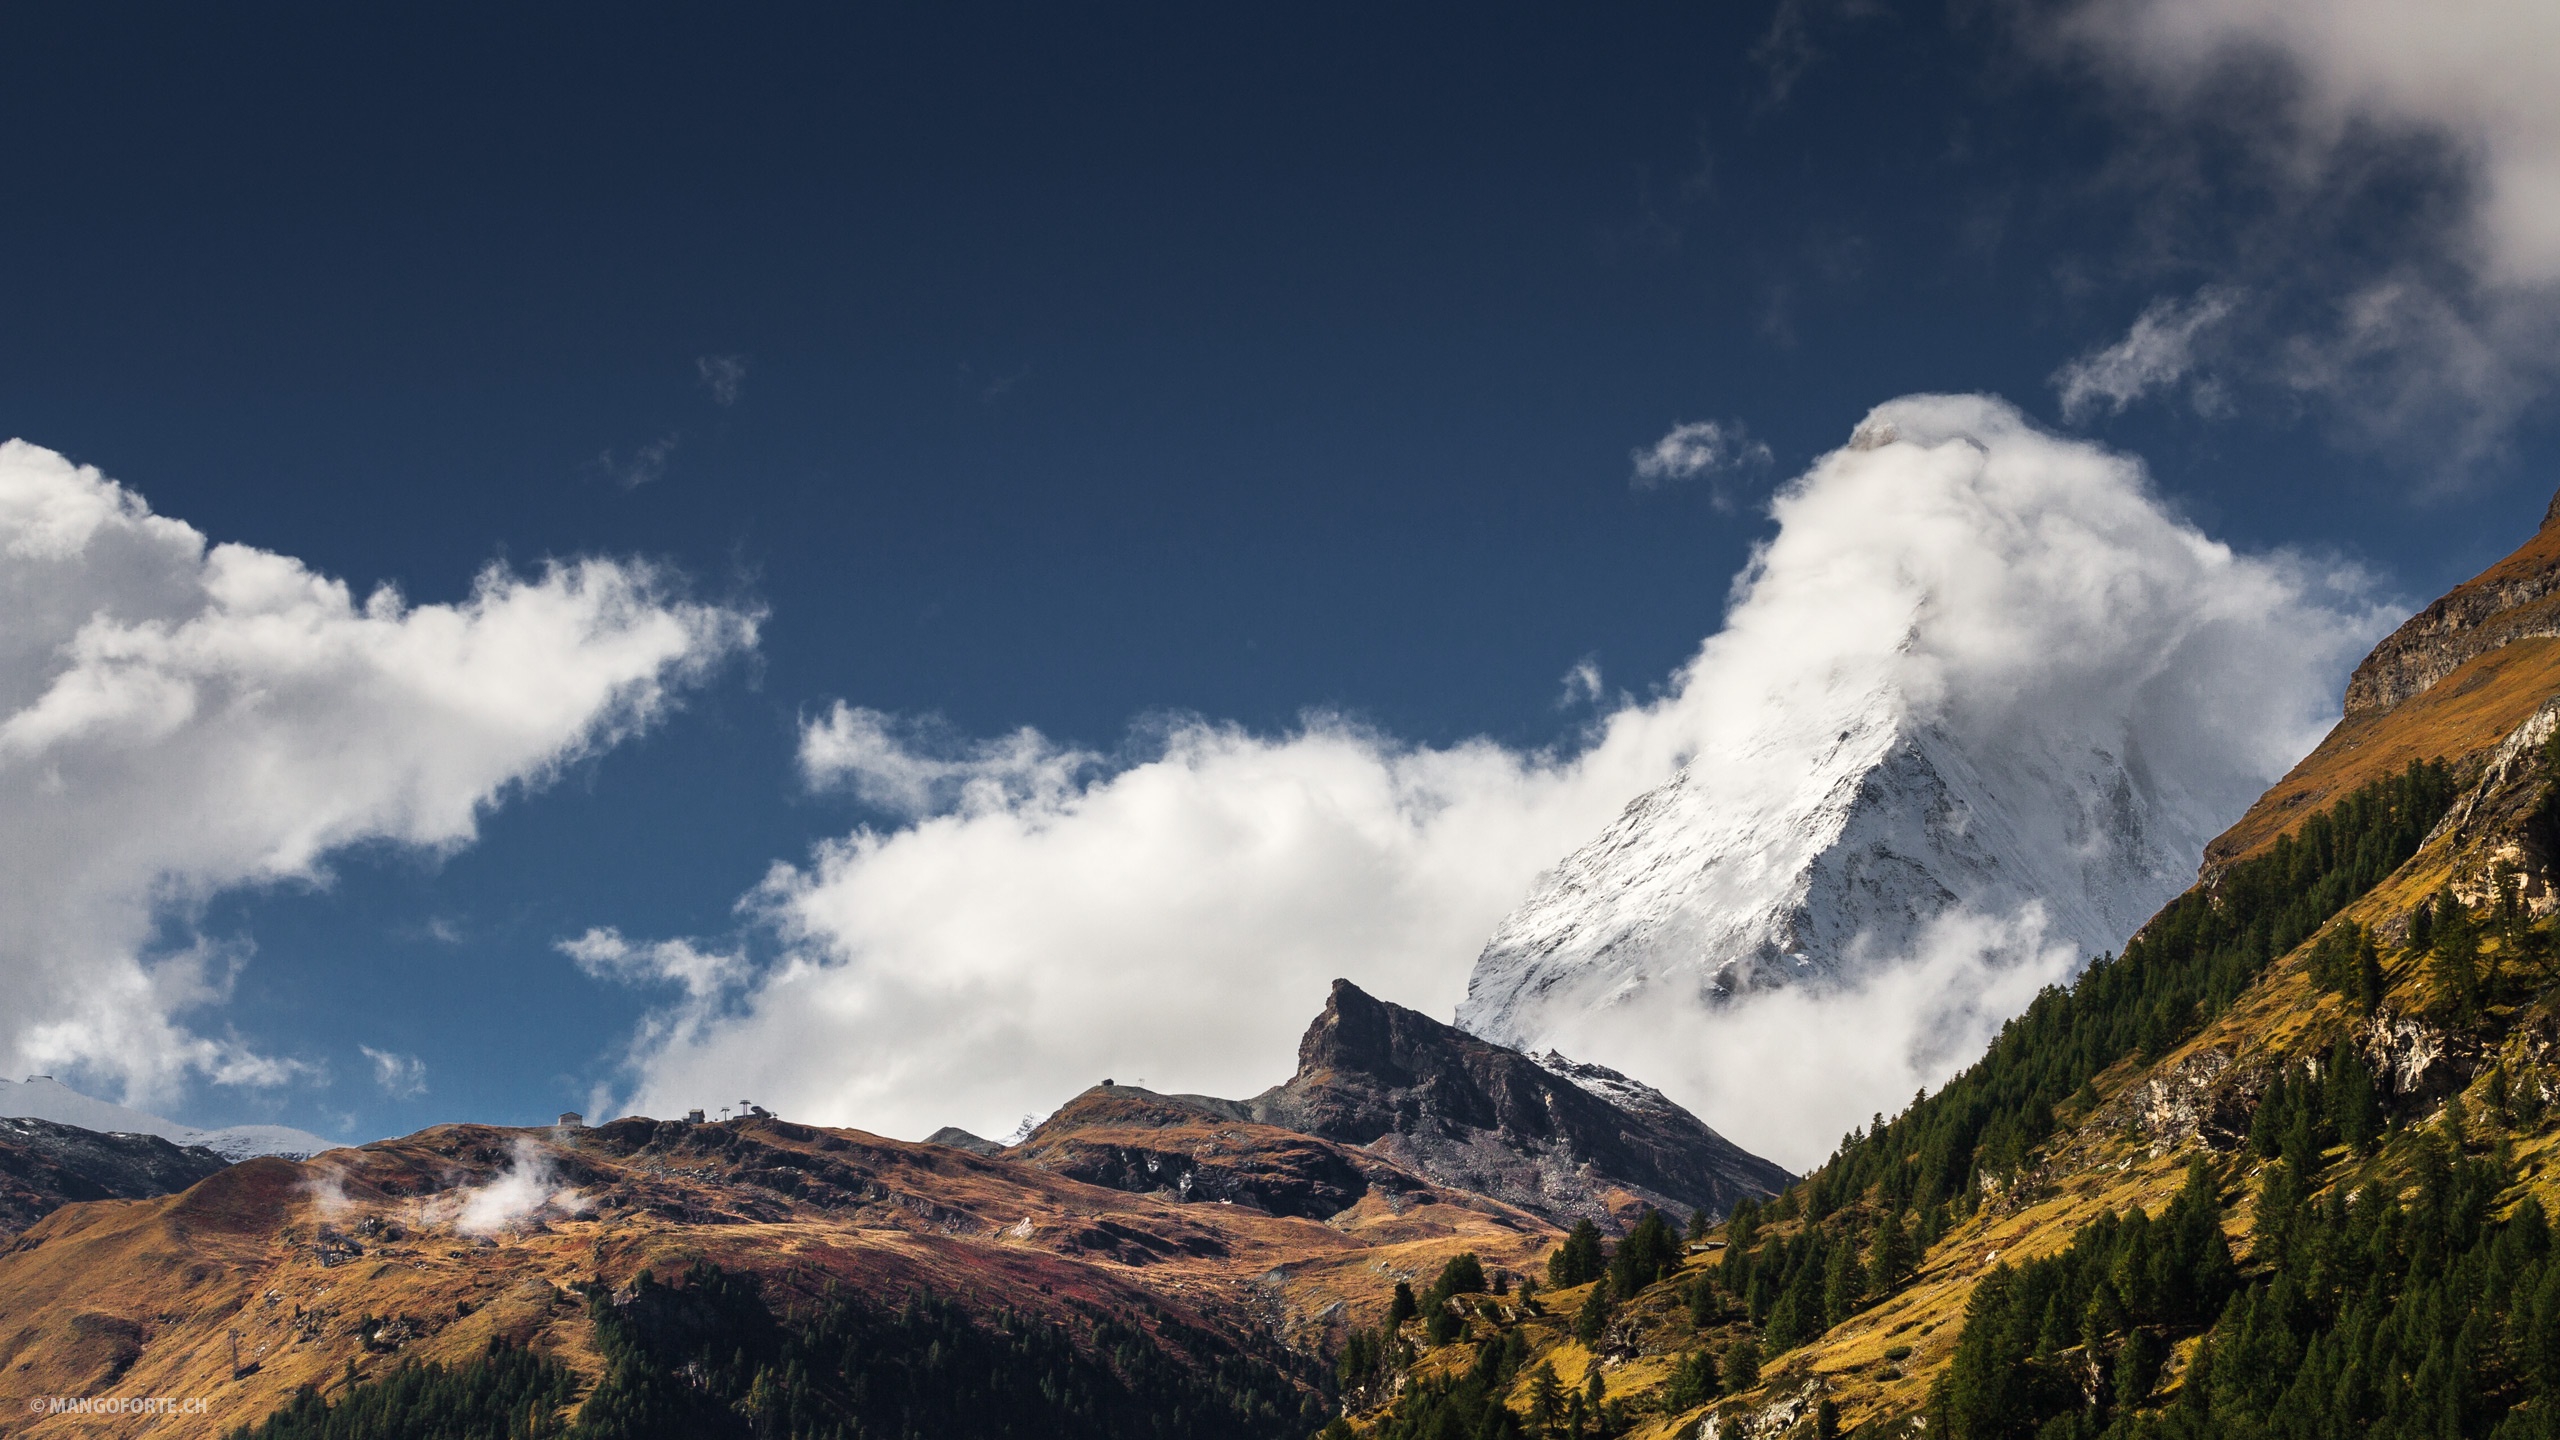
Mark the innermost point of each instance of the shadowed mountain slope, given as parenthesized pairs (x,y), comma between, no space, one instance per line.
(45,1166)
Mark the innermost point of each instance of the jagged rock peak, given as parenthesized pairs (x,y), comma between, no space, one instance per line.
(1554,1137)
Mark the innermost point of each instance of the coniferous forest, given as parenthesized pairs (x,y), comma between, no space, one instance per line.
(708,1356)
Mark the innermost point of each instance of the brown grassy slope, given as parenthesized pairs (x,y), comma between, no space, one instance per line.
(305,1261)
(2468,711)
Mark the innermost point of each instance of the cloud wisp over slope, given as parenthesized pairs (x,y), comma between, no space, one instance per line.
(1036,917)
(180,717)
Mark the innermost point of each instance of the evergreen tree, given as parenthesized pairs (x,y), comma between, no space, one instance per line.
(1742,1364)
(1401,1306)
(1693,1382)
(2355,1109)
(2455,947)
(1650,1251)
(1593,1318)
(1705,1304)
(2369,982)
(1891,1257)
(1579,1260)
(1844,1284)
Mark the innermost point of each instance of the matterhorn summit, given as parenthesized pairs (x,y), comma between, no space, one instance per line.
(1981,690)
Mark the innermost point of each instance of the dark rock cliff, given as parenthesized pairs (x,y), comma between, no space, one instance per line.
(45,1166)
(1472,1115)
(1389,1100)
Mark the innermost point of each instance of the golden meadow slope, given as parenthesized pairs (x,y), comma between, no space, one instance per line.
(369,1256)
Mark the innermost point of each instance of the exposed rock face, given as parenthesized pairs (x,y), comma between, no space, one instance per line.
(1557,1139)
(1390,1101)
(45,1166)
(959,1139)
(2518,598)
(1190,1147)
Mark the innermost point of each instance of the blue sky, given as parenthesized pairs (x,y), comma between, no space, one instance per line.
(1049,368)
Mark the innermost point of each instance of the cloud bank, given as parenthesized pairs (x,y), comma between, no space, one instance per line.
(1038,916)
(180,717)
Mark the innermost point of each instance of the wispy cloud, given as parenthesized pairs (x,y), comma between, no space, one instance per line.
(402,1077)
(2157,353)
(1699,449)
(603,954)
(725,376)
(2382,177)
(641,465)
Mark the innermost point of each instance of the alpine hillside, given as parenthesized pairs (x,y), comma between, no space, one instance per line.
(2284,1166)
(1141,1264)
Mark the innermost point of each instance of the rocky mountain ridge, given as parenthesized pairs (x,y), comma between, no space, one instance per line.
(41,1097)
(1388,1098)
(45,1166)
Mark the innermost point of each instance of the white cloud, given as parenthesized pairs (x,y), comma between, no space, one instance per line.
(916,767)
(402,1077)
(1178,914)
(1695,448)
(2393,203)
(2157,353)
(725,376)
(2484,74)
(1582,684)
(605,955)
(179,718)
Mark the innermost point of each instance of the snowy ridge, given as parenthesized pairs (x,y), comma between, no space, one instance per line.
(1704,890)
(41,1097)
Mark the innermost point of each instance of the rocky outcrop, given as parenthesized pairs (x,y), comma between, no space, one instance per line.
(2517,598)
(45,1166)
(959,1139)
(1389,1100)
(1560,1140)
(1187,1147)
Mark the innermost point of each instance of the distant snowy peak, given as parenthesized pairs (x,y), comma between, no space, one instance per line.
(1720,882)
(41,1097)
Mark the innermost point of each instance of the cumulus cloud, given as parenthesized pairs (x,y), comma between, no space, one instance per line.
(2156,354)
(402,1077)
(1177,911)
(180,717)
(1697,448)
(725,376)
